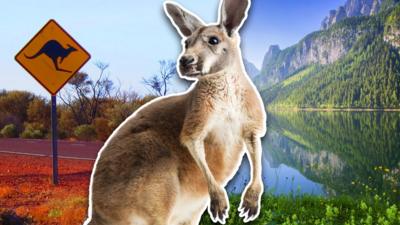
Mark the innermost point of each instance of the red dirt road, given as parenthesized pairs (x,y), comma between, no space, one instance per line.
(66,149)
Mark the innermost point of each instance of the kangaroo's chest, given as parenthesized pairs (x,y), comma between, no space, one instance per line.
(227,125)
(224,144)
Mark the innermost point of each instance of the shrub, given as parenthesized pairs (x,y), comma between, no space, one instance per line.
(119,113)
(85,132)
(32,134)
(39,111)
(13,105)
(34,131)
(148,98)
(61,134)
(9,118)
(66,123)
(122,110)
(103,130)
(9,131)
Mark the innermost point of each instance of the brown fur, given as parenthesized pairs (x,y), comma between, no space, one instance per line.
(152,165)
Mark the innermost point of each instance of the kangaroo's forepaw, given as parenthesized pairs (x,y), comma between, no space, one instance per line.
(219,206)
(249,207)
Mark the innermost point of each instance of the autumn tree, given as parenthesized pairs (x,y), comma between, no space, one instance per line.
(13,108)
(39,111)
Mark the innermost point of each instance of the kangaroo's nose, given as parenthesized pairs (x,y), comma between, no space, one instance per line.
(186,60)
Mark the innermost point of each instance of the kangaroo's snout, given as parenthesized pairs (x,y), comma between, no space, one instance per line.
(187,60)
(189,65)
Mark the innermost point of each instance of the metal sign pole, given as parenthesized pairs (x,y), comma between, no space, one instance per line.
(54,138)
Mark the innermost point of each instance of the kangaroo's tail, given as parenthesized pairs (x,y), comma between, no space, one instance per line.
(33,56)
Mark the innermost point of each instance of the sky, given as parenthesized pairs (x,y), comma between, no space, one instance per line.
(132,36)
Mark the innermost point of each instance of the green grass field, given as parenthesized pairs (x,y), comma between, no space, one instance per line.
(299,210)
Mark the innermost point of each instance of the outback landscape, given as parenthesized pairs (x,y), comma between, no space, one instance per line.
(27,195)
(331,155)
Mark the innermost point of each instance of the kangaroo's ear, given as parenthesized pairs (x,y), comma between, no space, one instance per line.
(185,22)
(233,13)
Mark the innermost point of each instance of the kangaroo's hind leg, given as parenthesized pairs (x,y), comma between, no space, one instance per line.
(55,62)
(136,181)
(158,193)
(146,201)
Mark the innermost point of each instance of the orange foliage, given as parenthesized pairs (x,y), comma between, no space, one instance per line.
(5,192)
(40,213)
(72,215)
(25,187)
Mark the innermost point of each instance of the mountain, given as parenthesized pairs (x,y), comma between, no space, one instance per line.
(355,63)
(251,69)
(356,8)
(271,56)
(350,9)
(320,47)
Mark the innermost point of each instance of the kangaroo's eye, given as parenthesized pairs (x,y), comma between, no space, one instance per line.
(213,40)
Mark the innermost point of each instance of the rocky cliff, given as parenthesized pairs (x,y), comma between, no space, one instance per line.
(392,28)
(350,9)
(322,47)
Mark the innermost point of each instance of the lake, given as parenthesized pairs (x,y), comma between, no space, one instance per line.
(326,153)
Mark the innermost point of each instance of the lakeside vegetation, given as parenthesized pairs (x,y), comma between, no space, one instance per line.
(297,109)
(309,210)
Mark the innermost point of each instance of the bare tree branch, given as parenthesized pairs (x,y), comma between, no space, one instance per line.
(158,83)
(83,95)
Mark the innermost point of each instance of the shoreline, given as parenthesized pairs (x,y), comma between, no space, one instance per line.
(330,110)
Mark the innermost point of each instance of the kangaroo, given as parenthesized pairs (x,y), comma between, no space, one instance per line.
(171,159)
(54,50)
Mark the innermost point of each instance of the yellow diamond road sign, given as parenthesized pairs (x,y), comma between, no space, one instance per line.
(52,57)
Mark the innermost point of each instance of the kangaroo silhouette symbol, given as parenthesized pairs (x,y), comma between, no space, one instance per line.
(54,50)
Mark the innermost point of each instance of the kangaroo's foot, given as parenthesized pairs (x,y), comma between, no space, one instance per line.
(219,205)
(57,67)
(62,70)
(250,205)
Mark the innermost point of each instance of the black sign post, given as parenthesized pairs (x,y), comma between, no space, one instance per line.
(54,138)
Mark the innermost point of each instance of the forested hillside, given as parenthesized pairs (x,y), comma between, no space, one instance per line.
(368,76)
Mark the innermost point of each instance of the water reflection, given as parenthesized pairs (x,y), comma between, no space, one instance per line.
(323,153)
